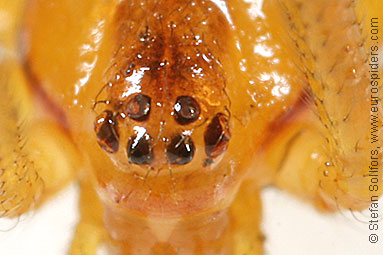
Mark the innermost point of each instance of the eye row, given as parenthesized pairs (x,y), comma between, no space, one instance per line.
(179,151)
(186,109)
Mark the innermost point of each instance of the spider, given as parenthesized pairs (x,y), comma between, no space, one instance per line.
(173,115)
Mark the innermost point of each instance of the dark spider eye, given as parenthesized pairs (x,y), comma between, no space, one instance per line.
(186,110)
(130,68)
(138,107)
(106,129)
(140,150)
(180,150)
(217,135)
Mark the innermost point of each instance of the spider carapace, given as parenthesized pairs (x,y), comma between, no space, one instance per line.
(174,114)
(164,110)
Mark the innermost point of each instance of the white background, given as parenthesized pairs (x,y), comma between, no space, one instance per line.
(291,228)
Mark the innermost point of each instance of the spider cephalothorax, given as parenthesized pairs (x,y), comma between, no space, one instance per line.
(197,105)
(165,96)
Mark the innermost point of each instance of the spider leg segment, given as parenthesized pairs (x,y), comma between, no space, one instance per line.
(33,149)
(333,169)
(90,232)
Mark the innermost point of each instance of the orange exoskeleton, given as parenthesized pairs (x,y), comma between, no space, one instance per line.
(173,115)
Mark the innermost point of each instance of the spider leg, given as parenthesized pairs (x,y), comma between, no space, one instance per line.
(89,233)
(245,214)
(33,151)
(327,159)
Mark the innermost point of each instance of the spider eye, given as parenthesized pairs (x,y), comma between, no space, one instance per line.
(138,107)
(106,130)
(217,136)
(186,110)
(140,149)
(181,149)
